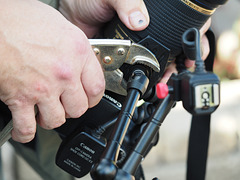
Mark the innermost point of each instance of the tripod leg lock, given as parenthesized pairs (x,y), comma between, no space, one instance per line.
(138,81)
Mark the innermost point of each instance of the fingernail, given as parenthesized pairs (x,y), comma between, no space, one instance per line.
(137,19)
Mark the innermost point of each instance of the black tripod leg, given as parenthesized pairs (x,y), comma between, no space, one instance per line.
(151,129)
(106,169)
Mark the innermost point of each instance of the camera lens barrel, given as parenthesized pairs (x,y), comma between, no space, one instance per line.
(168,20)
(209,4)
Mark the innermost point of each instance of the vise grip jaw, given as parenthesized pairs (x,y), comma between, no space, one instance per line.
(113,53)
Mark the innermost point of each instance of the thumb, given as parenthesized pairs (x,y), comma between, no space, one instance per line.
(133,14)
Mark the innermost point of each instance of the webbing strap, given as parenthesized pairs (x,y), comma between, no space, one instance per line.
(198,147)
(200,130)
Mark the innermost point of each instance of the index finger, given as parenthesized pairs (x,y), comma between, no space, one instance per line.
(92,79)
(205,27)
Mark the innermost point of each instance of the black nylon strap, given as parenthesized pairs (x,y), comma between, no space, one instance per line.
(200,130)
(212,45)
(198,147)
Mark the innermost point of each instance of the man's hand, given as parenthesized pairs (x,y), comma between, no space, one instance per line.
(45,61)
(90,15)
(189,63)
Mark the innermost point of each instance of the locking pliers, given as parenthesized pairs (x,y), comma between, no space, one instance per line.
(113,53)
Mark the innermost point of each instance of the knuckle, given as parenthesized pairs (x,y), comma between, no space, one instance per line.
(73,86)
(98,89)
(79,43)
(23,139)
(63,71)
(51,124)
(21,100)
(41,88)
(79,112)
(17,101)
(58,123)
(27,132)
